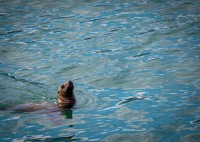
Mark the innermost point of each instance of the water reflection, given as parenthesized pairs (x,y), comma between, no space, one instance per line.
(130,99)
(112,50)
(129,115)
(140,137)
(48,139)
(68,113)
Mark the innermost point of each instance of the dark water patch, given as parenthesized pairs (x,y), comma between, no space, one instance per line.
(31,41)
(193,33)
(88,38)
(149,31)
(50,139)
(115,30)
(194,98)
(94,37)
(3,14)
(106,6)
(21,79)
(104,51)
(65,17)
(45,15)
(196,121)
(4,106)
(131,99)
(91,20)
(142,54)
(11,32)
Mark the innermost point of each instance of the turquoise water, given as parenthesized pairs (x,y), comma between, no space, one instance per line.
(135,66)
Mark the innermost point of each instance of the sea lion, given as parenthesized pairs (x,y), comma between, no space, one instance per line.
(65,100)
(66,97)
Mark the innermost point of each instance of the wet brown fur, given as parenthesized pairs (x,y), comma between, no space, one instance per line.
(66,97)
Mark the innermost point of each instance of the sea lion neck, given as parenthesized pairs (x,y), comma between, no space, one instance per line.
(69,92)
(66,97)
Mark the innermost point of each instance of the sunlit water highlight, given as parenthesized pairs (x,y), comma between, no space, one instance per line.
(135,66)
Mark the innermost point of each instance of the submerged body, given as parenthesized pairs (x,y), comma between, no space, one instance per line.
(65,100)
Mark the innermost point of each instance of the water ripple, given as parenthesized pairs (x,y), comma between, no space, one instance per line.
(85,100)
(21,79)
(111,50)
(130,99)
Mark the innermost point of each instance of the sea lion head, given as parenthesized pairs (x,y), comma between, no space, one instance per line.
(66,88)
(65,97)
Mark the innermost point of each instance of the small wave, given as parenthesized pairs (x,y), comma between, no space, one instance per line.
(130,99)
(91,20)
(20,79)
(84,99)
(93,37)
(62,17)
(11,32)
(105,51)
(195,121)
(47,138)
(149,31)
(142,54)
(3,14)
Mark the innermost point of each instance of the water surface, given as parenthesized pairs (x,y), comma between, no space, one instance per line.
(135,66)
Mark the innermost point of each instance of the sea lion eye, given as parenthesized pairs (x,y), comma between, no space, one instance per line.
(62,86)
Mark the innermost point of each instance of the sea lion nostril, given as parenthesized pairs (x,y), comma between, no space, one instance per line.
(62,86)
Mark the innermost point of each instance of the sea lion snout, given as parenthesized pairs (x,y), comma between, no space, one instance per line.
(71,85)
(67,87)
(67,84)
